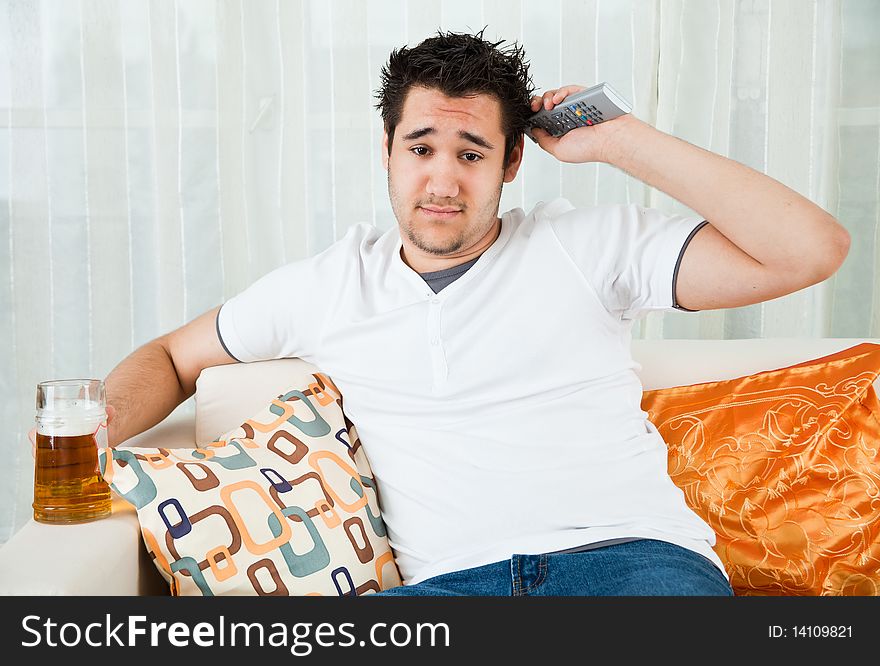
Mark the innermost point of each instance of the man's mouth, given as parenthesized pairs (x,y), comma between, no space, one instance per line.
(440,212)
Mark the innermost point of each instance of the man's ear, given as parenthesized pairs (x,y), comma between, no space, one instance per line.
(516,158)
(385,149)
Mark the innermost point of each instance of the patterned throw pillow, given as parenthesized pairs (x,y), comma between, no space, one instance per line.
(784,466)
(285,504)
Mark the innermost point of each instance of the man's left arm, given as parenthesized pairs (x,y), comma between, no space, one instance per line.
(763,240)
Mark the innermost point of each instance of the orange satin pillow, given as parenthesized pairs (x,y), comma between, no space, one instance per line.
(784,466)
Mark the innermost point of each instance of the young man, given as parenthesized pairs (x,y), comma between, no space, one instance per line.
(485,360)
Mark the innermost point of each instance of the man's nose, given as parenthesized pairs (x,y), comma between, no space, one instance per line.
(442,181)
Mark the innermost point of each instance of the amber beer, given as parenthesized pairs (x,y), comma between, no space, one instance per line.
(68,485)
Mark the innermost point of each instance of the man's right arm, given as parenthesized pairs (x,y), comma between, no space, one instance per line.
(154,379)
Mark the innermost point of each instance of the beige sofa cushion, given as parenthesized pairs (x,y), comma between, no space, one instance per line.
(228,394)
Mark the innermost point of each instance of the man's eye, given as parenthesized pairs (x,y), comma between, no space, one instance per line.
(420,150)
(472,157)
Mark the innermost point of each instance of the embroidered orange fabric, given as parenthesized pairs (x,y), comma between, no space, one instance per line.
(784,466)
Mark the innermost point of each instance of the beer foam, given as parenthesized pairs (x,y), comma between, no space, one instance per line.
(70,418)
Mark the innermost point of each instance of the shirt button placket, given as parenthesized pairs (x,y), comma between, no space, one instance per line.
(438,357)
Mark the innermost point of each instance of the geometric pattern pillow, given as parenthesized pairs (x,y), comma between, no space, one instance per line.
(784,465)
(285,504)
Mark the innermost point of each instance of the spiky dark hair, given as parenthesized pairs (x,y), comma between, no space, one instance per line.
(460,65)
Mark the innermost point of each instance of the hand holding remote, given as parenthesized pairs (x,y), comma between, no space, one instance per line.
(579,127)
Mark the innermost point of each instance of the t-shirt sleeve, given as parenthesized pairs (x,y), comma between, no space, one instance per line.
(628,253)
(275,317)
(284,313)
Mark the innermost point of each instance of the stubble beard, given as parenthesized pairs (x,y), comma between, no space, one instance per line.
(483,220)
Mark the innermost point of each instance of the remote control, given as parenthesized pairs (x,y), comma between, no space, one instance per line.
(581,109)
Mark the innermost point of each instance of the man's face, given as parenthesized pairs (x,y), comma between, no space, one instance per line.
(445,174)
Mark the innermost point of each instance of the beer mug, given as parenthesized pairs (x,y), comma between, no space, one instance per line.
(71,426)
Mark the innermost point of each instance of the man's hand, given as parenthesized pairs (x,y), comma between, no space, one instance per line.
(584,144)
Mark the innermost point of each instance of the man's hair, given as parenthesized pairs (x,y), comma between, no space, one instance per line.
(460,65)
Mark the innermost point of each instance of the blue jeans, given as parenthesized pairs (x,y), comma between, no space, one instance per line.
(643,567)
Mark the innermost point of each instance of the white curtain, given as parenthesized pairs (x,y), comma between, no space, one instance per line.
(157,157)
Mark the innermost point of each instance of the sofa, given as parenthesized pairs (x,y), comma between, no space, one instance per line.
(108,557)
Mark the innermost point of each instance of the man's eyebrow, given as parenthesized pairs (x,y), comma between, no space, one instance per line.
(469,136)
(418,134)
(473,138)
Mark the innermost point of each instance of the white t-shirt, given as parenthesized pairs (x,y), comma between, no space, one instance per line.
(503,414)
